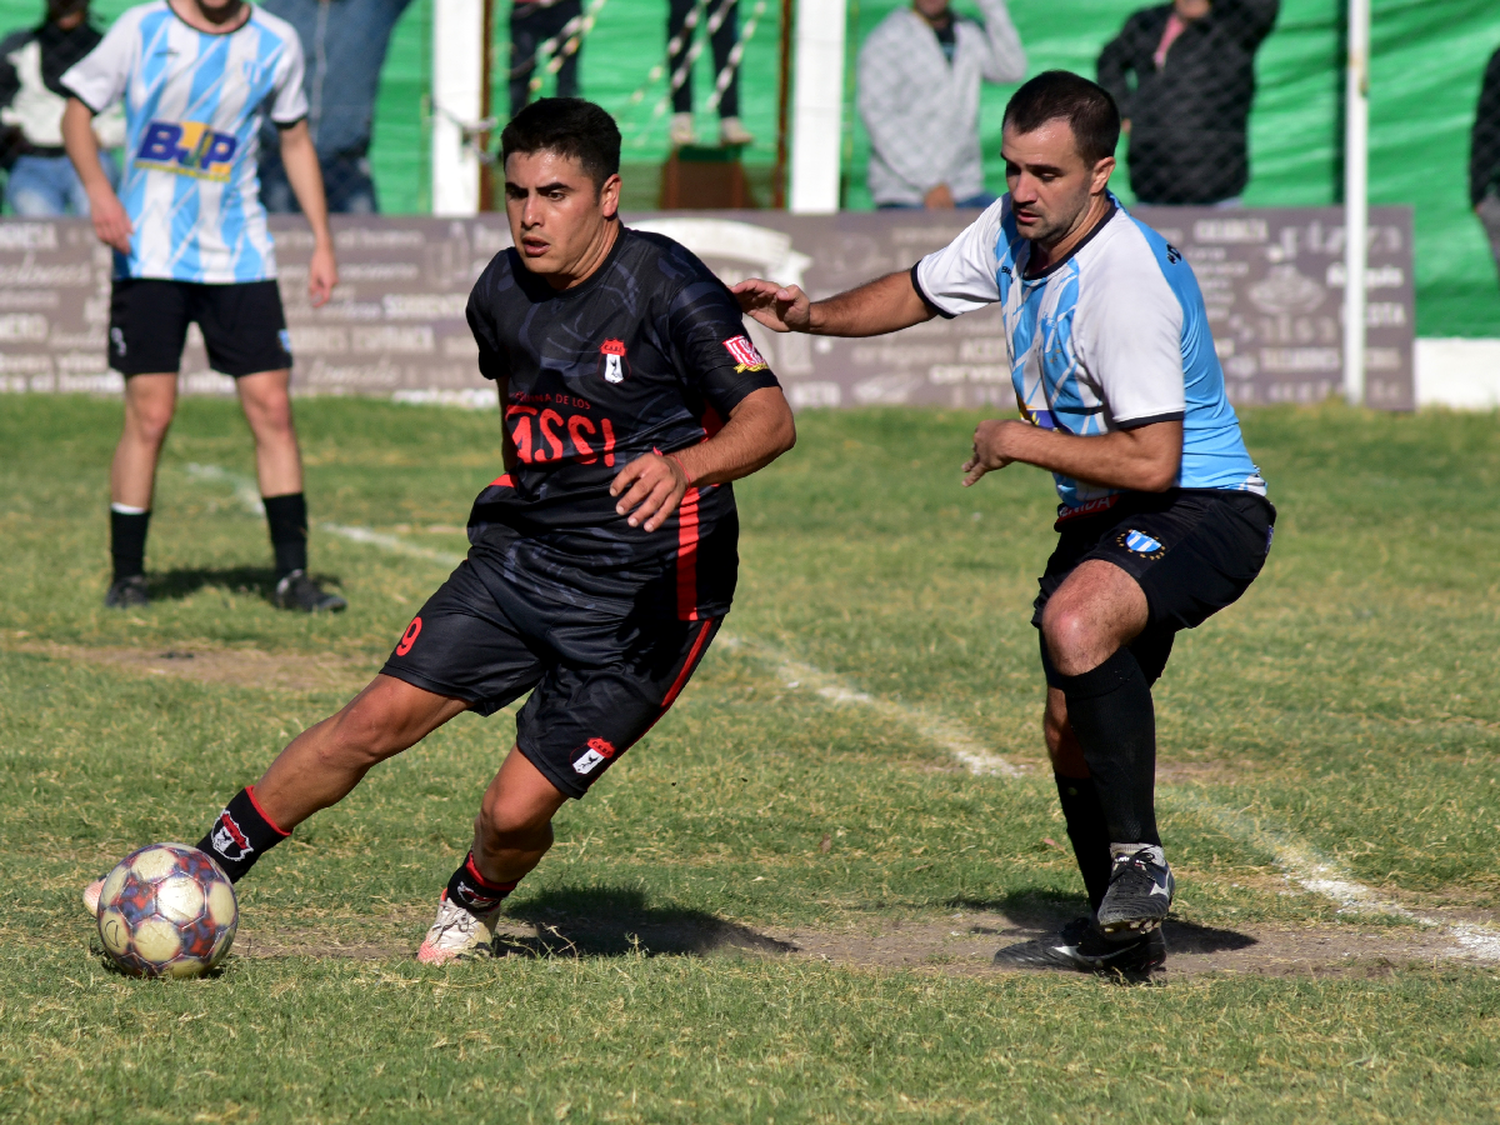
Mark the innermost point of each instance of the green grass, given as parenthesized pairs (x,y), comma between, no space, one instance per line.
(1348,702)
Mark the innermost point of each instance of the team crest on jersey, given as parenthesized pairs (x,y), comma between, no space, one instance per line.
(746,357)
(598,750)
(1142,544)
(187,148)
(612,362)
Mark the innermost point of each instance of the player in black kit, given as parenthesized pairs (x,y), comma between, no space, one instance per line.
(602,560)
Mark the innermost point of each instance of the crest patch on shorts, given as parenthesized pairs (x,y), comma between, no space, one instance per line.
(1142,544)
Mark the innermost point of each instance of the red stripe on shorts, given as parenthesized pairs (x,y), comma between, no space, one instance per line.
(687,557)
(694,655)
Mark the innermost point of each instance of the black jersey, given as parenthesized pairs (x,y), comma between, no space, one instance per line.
(649,354)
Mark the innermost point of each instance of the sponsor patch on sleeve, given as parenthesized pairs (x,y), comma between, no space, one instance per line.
(746,357)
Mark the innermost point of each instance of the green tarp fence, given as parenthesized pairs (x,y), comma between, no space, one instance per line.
(1427,61)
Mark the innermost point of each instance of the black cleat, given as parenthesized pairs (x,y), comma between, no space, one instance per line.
(1139,896)
(128,593)
(298,591)
(1080,948)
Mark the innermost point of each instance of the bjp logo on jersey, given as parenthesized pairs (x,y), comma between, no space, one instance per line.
(187,148)
(615,367)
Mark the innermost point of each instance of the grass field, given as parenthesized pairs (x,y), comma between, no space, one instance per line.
(1328,743)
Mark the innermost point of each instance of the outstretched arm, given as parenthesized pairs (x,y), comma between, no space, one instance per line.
(300,158)
(760,429)
(1146,459)
(886,304)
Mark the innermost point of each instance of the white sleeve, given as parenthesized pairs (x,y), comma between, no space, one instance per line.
(100,77)
(1006,58)
(1130,344)
(961,277)
(289,102)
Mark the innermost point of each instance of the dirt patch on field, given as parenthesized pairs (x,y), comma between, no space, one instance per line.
(963,943)
(239,667)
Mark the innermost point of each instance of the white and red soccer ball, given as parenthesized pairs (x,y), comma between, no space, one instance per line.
(167,910)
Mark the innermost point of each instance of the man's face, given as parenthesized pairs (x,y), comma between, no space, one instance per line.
(557,216)
(1192,9)
(1049,182)
(933,11)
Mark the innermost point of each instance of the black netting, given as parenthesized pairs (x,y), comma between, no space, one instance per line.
(1484,156)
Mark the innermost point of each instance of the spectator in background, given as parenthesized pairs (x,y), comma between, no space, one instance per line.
(1484,156)
(532,24)
(722,23)
(345,43)
(1183,75)
(42,180)
(919,77)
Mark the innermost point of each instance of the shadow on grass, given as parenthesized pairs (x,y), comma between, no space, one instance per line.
(1039,914)
(611,921)
(183,582)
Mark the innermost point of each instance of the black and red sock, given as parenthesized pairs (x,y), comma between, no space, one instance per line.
(471,890)
(241,835)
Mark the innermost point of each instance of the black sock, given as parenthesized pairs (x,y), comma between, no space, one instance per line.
(1112,716)
(287,518)
(473,891)
(127,542)
(240,835)
(1085,818)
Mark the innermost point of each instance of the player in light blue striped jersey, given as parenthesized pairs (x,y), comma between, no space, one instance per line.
(1164,518)
(197,78)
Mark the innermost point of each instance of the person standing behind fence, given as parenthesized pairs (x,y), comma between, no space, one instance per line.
(534,24)
(345,43)
(42,182)
(1484,156)
(919,76)
(1183,75)
(721,20)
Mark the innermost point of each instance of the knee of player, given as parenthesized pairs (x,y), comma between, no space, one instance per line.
(151,422)
(1069,633)
(359,738)
(505,824)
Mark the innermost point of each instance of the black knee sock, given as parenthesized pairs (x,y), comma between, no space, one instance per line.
(1110,710)
(1085,818)
(240,835)
(287,518)
(473,891)
(127,542)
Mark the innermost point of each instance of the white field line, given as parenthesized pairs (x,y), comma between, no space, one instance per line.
(1301,863)
(248,494)
(391,543)
(965,748)
(246,491)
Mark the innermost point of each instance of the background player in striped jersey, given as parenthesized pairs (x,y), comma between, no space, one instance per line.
(603,558)
(189,234)
(1163,519)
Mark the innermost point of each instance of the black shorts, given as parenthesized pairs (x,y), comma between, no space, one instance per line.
(1192,551)
(244,328)
(600,673)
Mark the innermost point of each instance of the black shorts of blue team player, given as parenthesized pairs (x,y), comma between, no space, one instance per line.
(1192,551)
(243,325)
(600,673)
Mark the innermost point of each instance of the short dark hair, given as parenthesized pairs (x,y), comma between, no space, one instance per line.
(568,127)
(1061,95)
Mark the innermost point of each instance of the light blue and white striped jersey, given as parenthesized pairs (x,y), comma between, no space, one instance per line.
(1113,337)
(194,102)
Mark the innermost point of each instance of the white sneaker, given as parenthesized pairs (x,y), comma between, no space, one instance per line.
(682,131)
(91,895)
(458,935)
(733,133)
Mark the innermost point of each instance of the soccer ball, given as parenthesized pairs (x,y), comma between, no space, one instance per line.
(167,910)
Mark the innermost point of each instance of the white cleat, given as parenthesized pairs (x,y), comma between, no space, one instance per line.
(457,935)
(733,134)
(91,895)
(681,131)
